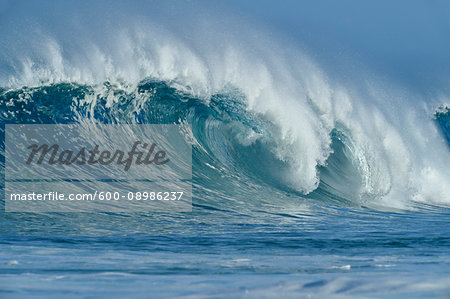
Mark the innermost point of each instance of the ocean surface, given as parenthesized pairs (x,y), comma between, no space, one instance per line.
(309,179)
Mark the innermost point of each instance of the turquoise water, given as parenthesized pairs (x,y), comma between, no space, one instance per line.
(248,235)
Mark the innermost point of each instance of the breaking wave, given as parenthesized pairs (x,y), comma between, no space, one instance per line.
(268,122)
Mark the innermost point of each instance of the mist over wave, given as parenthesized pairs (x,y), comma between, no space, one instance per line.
(264,113)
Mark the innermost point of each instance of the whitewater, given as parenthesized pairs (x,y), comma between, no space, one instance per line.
(308,178)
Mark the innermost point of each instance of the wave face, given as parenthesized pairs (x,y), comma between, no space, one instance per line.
(241,153)
(443,119)
(254,99)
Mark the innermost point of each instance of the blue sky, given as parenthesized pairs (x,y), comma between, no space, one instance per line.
(409,40)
